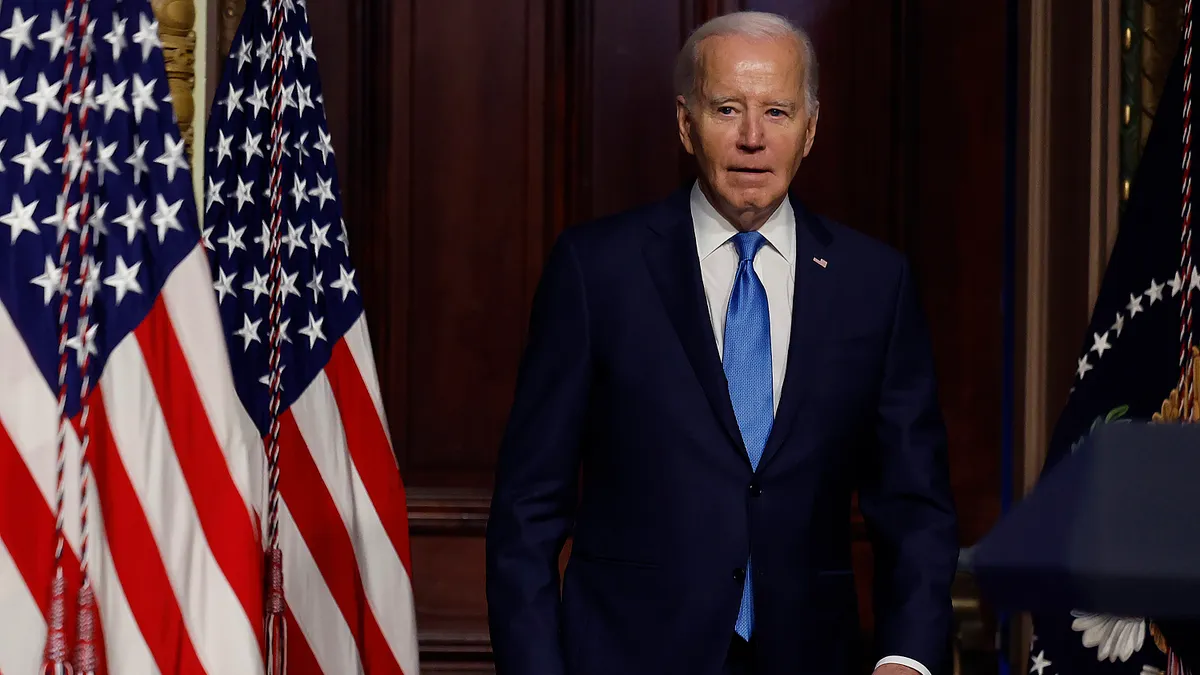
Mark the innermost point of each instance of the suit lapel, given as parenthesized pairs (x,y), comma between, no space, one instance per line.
(671,256)
(811,302)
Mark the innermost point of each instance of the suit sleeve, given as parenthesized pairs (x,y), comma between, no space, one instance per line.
(905,498)
(537,471)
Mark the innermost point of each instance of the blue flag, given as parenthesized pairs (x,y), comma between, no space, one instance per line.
(1129,365)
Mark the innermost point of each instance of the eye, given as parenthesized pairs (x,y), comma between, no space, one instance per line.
(776,112)
(725,110)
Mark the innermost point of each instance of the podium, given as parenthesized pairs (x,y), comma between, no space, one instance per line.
(1114,528)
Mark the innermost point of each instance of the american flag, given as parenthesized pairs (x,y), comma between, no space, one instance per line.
(297,337)
(128,439)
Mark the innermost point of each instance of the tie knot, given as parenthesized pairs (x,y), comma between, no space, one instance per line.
(747,244)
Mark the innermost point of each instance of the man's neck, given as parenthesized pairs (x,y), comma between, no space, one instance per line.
(745,220)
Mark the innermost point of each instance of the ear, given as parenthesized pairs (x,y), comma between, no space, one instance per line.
(684,118)
(810,134)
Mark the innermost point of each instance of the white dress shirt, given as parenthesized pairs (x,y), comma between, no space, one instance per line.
(775,265)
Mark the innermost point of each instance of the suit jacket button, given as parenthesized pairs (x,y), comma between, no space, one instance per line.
(755,489)
(739,574)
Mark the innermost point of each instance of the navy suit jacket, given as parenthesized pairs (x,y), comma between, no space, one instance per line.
(622,435)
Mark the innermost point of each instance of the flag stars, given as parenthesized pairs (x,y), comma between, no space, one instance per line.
(257,285)
(325,145)
(20,218)
(84,343)
(1083,367)
(56,35)
(32,158)
(315,286)
(313,330)
(147,36)
(233,239)
(323,191)
(287,286)
(1194,280)
(17,33)
(266,379)
(137,160)
(243,55)
(46,97)
(1155,292)
(213,194)
(124,279)
(1176,285)
(1100,343)
(143,97)
(51,281)
(250,147)
(132,220)
(244,195)
(8,93)
(248,332)
(232,101)
(299,190)
(1135,305)
(224,285)
(319,238)
(116,36)
(166,217)
(294,238)
(305,52)
(345,282)
(1040,663)
(172,157)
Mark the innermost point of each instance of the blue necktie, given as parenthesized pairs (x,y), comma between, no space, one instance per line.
(747,362)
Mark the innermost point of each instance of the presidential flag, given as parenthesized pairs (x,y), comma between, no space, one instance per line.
(1137,362)
(131,477)
(291,306)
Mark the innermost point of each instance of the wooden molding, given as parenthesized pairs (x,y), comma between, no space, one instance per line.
(448,510)
(176,20)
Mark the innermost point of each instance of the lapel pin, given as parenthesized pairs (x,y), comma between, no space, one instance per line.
(820,261)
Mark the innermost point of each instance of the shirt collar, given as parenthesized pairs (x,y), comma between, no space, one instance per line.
(713,230)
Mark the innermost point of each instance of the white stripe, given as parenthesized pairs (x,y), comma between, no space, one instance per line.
(359,342)
(22,629)
(215,619)
(385,580)
(192,306)
(312,604)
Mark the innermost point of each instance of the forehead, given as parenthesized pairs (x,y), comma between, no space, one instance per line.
(734,62)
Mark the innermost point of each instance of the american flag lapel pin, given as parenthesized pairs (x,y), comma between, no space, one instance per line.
(820,261)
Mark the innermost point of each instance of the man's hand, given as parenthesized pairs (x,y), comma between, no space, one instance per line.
(894,669)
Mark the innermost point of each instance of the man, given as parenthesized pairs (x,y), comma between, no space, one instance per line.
(707,381)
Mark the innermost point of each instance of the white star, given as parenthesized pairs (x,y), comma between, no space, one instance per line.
(1100,343)
(243,192)
(224,285)
(96,222)
(172,157)
(17,33)
(304,99)
(55,35)
(319,238)
(137,159)
(105,160)
(224,146)
(31,158)
(1194,281)
(289,98)
(132,221)
(266,379)
(116,36)
(294,238)
(147,36)
(314,285)
(64,218)
(299,190)
(313,330)
(325,145)
(258,285)
(264,52)
(288,285)
(232,101)
(85,347)
(8,93)
(1175,285)
(248,332)
(1039,663)
(344,238)
(112,97)
(301,148)
(258,100)
(286,51)
(282,332)
(74,158)
(243,55)
(51,281)
(264,238)
(1155,292)
(143,97)
(166,217)
(233,239)
(306,52)
(250,146)
(20,218)
(1083,367)
(206,238)
(45,97)
(345,282)
(323,191)
(1135,305)
(124,280)
(213,194)
(90,279)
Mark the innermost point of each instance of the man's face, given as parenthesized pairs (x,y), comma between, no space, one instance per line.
(747,126)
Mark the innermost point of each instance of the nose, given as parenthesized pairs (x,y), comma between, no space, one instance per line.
(750,136)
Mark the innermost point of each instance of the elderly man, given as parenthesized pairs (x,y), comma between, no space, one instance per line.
(707,381)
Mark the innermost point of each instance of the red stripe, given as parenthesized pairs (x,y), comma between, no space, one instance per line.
(300,658)
(322,529)
(369,447)
(135,555)
(27,529)
(220,507)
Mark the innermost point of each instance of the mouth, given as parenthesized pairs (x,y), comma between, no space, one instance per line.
(749,170)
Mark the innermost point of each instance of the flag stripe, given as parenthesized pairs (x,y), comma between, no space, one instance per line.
(358,340)
(319,418)
(211,612)
(329,542)
(219,505)
(188,296)
(370,447)
(311,601)
(124,648)
(300,658)
(131,541)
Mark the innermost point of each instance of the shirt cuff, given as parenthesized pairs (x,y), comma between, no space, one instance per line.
(904,661)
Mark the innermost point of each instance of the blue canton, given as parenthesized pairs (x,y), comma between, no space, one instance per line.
(320,292)
(142,219)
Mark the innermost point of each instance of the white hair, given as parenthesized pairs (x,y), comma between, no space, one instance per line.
(754,25)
